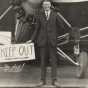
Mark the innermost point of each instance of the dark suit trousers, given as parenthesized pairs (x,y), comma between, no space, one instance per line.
(48,53)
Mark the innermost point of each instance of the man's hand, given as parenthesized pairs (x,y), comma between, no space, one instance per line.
(30,41)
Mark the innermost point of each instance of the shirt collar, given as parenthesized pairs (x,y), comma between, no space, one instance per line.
(47,12)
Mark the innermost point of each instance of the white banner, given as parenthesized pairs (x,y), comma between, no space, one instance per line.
(5,37)
(17,52)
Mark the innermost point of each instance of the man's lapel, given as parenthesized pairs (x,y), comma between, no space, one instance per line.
(44,15)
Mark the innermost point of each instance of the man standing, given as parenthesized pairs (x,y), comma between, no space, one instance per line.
(48,24)
(24,26)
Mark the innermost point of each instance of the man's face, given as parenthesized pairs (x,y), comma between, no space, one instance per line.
(46,5)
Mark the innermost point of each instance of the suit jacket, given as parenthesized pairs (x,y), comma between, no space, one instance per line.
(23,32)
(46,31)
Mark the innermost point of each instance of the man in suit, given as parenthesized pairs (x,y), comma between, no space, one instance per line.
(24,19)
(48,26)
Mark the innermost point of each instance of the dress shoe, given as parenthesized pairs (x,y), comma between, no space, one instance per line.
(53,82)
(81,76)
(41,83)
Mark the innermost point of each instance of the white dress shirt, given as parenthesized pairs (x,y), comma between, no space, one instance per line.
(47,13)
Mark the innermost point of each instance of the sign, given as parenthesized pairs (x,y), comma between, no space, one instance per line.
(5,37)
(17,52)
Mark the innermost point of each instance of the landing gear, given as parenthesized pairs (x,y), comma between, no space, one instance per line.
(83,61)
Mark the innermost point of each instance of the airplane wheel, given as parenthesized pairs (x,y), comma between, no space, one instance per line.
(83,61)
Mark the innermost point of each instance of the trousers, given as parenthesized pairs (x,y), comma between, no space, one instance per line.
(48,53)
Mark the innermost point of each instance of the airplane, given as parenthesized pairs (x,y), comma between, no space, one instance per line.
(65,11)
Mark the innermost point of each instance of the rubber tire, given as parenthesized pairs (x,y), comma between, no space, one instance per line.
(83,61)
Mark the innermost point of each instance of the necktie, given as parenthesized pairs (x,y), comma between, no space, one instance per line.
(47,16)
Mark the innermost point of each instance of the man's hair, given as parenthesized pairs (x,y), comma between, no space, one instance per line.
(19,9)
(46,1)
